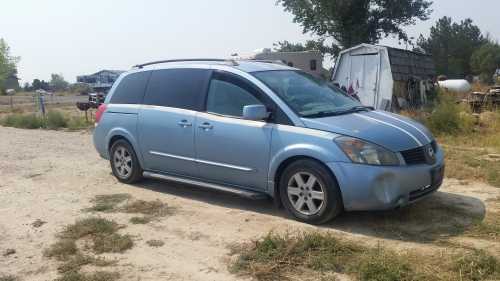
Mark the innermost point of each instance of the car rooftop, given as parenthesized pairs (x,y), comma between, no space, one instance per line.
(243,65)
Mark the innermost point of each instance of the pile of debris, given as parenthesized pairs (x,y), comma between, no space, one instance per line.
(481,100)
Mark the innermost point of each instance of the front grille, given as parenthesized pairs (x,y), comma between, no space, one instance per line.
(415,156)
(420,155)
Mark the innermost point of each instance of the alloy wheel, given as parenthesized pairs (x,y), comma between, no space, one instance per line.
(306,193)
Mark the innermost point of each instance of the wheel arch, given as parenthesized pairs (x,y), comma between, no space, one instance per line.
(288,161)
(119,134)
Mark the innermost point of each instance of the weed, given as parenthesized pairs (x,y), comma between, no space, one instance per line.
(151,208)
(141,220)
(108,202)
(155,243)
(90,226)
(113,243)
(24,121)
(477,265)
(97,276)
(56,120)
(8,278)
(449,117)
(62,249)
(74,263)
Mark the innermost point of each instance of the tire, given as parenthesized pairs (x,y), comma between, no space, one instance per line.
(309,192)
(124,162)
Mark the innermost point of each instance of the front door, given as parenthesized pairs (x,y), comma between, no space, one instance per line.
(229,149)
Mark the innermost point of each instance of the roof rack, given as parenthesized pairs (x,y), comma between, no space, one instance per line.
(267,61)
(185,60)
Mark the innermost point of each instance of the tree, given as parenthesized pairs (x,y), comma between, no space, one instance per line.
(350,22)
(27,87)
(57,82)
(486,60)
(310,45)
(40,84)
(8,70)
(451,45)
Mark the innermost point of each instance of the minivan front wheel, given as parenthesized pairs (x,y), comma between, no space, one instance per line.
(124,163)
(309,192)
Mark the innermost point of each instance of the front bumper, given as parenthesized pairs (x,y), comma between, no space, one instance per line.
(366,187)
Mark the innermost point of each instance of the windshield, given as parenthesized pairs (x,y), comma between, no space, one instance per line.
(306,95)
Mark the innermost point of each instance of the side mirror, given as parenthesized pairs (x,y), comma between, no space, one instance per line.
(256,112)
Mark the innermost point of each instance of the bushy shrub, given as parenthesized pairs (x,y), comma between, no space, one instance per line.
(24,121)
(56,120)
(449,117)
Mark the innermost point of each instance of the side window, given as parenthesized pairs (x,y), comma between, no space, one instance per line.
(313,65)
(228,95)
(179,88)
(131,89)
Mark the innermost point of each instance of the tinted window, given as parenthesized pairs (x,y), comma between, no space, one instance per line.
(131,88)
(313,64)
(228,95)
(180,88)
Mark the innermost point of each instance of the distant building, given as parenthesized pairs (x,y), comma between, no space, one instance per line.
(100,81)
(308,61)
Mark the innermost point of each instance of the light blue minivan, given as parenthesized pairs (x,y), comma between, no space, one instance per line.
(263,129)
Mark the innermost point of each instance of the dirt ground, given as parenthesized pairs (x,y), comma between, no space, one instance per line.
(53,175)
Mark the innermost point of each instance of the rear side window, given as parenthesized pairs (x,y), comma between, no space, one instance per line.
(131,88)
(179,88)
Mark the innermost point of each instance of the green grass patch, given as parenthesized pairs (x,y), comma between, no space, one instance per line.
(151,208)
(62,249)
(280,257)
(53,120)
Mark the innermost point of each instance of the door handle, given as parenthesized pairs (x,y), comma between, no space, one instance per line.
(206,126)
(185,124)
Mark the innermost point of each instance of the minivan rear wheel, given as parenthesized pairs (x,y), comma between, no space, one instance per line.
(124,162)
(309,192)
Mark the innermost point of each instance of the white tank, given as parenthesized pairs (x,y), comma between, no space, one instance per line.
(456,86)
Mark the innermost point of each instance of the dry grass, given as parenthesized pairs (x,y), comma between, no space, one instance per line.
(280,257)
(102,234)
(8,278)
(150,208)
(141,220)
(108,202)
(97,276)
(155,243)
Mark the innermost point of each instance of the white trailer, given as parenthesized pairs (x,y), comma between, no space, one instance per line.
(384,77)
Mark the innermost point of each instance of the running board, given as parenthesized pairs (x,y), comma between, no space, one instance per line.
(254,195)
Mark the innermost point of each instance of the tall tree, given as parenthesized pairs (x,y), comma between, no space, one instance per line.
(8,64)
(451,45)
(486,60)
(350,22)
(57,82)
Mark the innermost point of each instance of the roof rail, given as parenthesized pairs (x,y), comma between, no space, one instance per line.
(268,61)
(185,60)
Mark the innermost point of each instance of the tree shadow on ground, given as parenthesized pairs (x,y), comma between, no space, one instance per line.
(440,216)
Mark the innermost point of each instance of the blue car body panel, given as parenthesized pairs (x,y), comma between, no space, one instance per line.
(248,154)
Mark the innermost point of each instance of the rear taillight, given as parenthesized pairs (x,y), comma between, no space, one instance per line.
(100,111)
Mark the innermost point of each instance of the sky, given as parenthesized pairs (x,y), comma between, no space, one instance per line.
(75,37)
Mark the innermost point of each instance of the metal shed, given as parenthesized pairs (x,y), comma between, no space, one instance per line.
(384,77)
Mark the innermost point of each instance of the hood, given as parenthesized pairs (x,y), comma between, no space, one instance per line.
(392,131)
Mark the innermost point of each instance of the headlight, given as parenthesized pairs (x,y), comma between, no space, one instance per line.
(363,152)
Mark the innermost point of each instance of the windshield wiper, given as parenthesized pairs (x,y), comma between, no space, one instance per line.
(325,113)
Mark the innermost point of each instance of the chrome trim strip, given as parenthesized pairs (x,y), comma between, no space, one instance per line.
(244,169)
(390,125)
(404,122)
(240,192)
(171,156)
(239,168)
